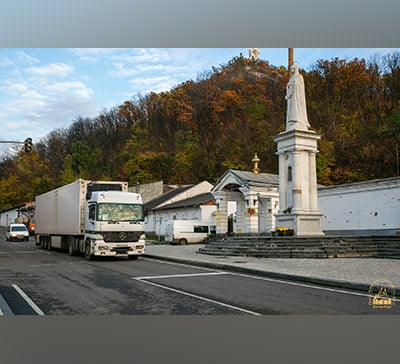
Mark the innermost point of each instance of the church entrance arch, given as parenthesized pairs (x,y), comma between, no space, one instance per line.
(249,200)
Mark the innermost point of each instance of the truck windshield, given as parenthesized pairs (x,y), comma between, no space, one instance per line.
(119,212)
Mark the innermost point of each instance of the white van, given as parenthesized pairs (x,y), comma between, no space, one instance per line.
(187,231)
(17,232)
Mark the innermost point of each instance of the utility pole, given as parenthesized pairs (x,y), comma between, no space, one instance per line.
(290,57)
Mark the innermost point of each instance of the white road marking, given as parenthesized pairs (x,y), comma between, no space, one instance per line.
(321,288)
(179,264)
(28,300)
(183,275)
(199,297)
(317,287)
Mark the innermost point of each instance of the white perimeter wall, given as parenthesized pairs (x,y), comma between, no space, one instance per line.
(372,205)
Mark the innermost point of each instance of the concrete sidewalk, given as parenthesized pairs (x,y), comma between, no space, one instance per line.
(352,273)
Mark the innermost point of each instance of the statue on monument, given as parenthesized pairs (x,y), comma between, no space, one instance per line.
(296,116)
(254,53)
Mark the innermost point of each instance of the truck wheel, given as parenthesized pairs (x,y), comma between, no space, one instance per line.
(71,250)
(88,256)
(182,241)
(45,243)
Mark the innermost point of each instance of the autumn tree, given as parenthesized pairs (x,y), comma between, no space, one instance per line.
(346,103)
(198,129)
(26,177)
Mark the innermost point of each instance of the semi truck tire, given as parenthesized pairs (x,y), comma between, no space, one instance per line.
(88,255)
(71,247)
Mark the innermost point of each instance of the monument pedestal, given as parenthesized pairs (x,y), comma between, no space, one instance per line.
(303,224)
(298,199)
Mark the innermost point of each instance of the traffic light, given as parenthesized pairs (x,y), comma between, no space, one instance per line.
(28,145)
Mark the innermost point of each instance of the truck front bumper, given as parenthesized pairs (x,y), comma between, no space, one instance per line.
(118,249)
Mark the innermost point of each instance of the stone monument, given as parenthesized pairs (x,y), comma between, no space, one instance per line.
(254,53)
(296,114)
(297,149)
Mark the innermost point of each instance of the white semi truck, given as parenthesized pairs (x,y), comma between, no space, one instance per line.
(96,218)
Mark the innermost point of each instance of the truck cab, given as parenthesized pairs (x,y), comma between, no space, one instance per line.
(114,221)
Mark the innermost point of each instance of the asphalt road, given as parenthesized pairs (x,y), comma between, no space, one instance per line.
(41,282)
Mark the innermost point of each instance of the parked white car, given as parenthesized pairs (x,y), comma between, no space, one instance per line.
(17,232)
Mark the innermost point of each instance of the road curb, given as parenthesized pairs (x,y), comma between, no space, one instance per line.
(284,276)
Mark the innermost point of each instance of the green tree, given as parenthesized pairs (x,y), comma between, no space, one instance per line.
(81,163)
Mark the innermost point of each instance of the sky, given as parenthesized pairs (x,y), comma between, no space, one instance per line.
(44,89)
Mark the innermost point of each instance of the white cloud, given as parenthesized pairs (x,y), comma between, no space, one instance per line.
(6,62)
(74,87)
(147,55)
(93,55)
(26,58)
(120,70)
(22,91)
(155,84)
(149,70)
(33,104)
(54,69)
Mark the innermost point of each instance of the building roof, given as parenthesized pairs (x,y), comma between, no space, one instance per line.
(17,207)
(374,184)
(233,178)
(260,179)
(189,202)
(151,205)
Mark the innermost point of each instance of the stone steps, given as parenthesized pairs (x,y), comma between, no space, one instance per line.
(303,247)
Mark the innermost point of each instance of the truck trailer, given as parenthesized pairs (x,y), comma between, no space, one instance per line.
(95,218)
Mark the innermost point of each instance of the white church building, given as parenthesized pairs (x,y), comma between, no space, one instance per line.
(361,208)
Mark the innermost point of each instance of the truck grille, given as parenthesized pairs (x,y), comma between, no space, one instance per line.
(120,250)
(121,236)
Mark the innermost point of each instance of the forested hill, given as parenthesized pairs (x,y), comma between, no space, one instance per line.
(201,128)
